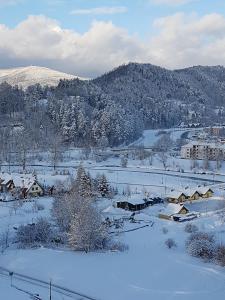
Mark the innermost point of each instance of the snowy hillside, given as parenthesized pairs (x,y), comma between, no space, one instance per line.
(27,76)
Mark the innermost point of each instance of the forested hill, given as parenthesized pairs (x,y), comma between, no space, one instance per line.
(167,97)
(114,108)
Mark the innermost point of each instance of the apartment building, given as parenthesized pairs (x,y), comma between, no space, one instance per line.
(200,150)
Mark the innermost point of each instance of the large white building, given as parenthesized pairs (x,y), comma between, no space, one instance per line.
(201,150)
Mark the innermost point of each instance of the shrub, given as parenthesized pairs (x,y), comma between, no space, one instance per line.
(170,243)
(220,255)
(165,230)
(124,162)
(201,245)
(37,207)
(190,228)
(34,234)
(117,246)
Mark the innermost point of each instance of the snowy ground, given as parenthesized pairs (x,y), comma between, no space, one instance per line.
(151,136)
(147,270)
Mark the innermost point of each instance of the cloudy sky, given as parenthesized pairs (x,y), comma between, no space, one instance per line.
(89,37)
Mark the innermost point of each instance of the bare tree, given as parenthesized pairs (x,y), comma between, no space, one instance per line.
(4,240)
(124,162)
(23,142)
(56,150)
(163,159)
(219,160)
(206,164)
(164,143)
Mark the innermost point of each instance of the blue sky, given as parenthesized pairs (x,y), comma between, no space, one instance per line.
(144,29)
(137,19)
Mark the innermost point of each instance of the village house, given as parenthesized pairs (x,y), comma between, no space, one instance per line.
(205,192)
(192,194)
(216,130)
(176,197)
(6,183)
(189,195)
(172,210)
(18,185)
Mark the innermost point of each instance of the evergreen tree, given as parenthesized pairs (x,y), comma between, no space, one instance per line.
(83,183)
(103,186)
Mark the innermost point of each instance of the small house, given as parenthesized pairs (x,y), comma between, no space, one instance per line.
(22,186)
(176,197)
(192,194)
(205,192)
(33,189)
(6,183)
(173,209)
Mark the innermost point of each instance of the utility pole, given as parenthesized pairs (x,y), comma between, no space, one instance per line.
(50,290)
(11,276)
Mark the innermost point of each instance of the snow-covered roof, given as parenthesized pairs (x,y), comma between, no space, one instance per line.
(174,194)
(20,180)
(5,177)
(190,192)
(203,190)
(135,201)
(172,209)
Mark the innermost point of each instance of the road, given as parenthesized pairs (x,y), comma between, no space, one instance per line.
(158,172)
(187,175)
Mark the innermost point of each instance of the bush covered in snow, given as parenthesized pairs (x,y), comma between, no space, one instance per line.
(170,243)
(220,255)
(117,246)
(34,234)
(191,228)
(165,230)
(201,244)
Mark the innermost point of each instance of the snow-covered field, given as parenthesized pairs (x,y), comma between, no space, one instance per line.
(147,270)
(151,136)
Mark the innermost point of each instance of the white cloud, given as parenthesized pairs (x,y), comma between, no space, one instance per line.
(186,40)
(181,40)
(105,10)
(172,2)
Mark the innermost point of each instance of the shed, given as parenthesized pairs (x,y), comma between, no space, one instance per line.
(134,204)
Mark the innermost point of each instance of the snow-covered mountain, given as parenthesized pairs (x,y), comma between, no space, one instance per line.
(27,76)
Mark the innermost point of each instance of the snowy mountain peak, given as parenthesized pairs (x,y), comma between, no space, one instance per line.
(26,76)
